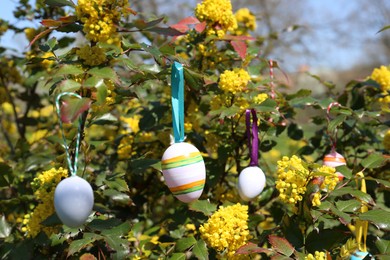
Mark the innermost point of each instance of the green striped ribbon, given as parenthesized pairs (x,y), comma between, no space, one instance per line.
(72,166)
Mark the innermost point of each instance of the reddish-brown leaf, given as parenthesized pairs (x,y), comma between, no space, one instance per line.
(200,27)
(281,245)
(240,47)
(40,35)
(51,23)
(251,248)
(71,109)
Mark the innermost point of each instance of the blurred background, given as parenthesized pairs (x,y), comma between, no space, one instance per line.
(336,40)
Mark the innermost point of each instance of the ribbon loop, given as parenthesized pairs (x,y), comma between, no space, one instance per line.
(253,136)
(72,166)
(177,84)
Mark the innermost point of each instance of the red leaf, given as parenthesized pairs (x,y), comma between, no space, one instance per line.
(200,27)
(251,248)
(281,245)
(189,20)
(240,47)
(41,34)
(238,38)
(71,109)
(180,27)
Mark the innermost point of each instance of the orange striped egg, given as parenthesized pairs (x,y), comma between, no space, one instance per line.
(335,159)
(184,171)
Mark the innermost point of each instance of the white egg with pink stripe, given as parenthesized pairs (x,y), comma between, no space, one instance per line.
(335,159)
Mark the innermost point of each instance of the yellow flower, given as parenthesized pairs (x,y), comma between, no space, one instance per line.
(246,21)
(37,135)
(217,13)
(386,140)
(47,62)
(382,76)
(44,186)
(292,179)
(131,123)
(92,56)
(234,81)
(227,229)
(317,256)
(125,147)
(100,18)
(30,33)
(260,98)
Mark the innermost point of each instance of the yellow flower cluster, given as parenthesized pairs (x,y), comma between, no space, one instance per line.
(386,140)
(246,21)
(218,15)
(100,18)
(227,229)
(131,124)
(44,186)
(260,98)
(91,56)
(382,76)
(9,72)
(317,256)
(125,147)
(234,81)
(293,177)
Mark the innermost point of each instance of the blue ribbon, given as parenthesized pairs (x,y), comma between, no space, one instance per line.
(177,84)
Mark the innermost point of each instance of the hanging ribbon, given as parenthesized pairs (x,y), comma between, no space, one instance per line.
(361,226)
(72,166)
(252,133)
(332,136)
(177,84)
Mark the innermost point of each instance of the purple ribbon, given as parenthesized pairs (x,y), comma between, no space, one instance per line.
(253,144)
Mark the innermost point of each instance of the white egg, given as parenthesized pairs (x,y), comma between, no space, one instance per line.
(184,171)
(335,159)
(251,182)
(73,201)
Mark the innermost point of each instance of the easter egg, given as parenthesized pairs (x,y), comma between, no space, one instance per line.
(335,159)
(184,171)
(73,201)
(251,182)
(358,255)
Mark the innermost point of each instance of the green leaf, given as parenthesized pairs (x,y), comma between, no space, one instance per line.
(155,52)
(193,79)
(184,243)
(49,45)
(104,73)
(344,170)
(59,3)
(268,105)
(383,246)
(5,228)
(384,28)
(77,245)
(281,245)
(356,193)
(336,122)
(301,102)
(6,176)
(343,217)
(117,184)
(294,132)
(200,250)
(69,85)
(203,206)
(104,119)
(348,205)
(52,220)
(374,160)
(101,93)
(103,224)
(178,256)
(69,70)
(378,217)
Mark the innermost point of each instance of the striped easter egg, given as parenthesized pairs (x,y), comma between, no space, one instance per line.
(335,159)
(184,171)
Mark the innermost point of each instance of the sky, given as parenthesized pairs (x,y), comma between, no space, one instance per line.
(321,18)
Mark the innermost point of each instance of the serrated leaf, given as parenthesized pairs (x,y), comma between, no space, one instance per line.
(178,256)
(240,47)
(103,224)
(281,245)
(5,228)
(104,73)
(344,170)
(251,248)
(383,246)
(59,3)
(203,206)
(268,105)
(356,193)
(72,108)
(374,160)
(348,205)
(79,244)
(378,217)
(6,176)
(334,123)
(69,70)
(184,243)
(104,119)
(101,92)
(294,132)
(69,85)
(200,250)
